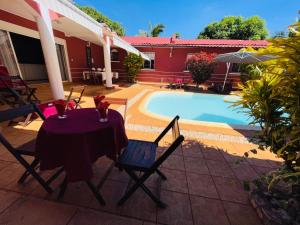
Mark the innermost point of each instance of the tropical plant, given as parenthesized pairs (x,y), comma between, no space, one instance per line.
(133,64)
(273,101)
(99,17)
(201,66)
(250,72)
(236,27)
(154,31)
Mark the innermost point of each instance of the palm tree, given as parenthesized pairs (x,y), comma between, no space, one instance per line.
(156,30)
(153,31)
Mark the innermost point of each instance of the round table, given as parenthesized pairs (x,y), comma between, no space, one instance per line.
(79,140)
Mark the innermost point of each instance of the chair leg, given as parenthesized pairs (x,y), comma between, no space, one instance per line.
(161,174)
(63,188)
(55,175)
(96,193)
(40,180)
(139,183)
(153,197)
(103,179)
(26,173)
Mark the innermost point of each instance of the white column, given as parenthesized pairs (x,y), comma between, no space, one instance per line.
(107,62)
(49,50)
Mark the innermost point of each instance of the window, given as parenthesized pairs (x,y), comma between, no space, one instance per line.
(188,56)
(149,64)
(114,55)
(235,68)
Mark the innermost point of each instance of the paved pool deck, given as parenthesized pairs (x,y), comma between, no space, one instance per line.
(204,186)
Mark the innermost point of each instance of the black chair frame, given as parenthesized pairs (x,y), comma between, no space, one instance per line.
(24,90)
(154,168)
(19,152)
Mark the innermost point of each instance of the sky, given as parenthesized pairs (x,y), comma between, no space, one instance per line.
(189,17)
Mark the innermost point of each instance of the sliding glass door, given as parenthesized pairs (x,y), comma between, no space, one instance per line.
(7,55)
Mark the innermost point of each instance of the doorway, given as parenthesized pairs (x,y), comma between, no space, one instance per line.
(31,61)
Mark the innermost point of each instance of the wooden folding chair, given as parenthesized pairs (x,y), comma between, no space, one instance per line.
(26,149)
(19,85)
(75,96)
(118,101)
(140,156)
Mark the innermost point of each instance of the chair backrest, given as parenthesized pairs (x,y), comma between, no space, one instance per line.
(177,142)
(118,101)
(175,130)
(24,110)
(76,92)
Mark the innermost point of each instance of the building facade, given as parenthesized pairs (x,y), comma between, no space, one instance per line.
(169,56)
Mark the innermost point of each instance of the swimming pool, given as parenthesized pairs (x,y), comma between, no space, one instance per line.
(196,107)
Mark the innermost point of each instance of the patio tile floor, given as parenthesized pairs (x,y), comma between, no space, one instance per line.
(204,186)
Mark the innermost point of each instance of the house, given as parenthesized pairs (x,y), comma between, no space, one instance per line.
(169,55)
(52,40)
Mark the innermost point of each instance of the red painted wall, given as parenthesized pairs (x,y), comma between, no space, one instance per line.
(76,47)
(170,63)
(77,56)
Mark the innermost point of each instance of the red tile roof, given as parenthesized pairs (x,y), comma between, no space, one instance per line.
(162,41)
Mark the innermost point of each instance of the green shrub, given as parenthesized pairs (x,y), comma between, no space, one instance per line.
(133,64)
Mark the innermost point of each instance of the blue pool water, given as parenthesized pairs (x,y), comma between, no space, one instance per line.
(199,107)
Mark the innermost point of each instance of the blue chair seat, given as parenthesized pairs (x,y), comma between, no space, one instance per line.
(138,155)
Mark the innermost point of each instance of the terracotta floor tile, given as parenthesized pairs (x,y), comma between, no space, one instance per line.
(149,223)
(140,206)
(35,211)
(90,217)
(201,185)
(176,181)
(231,190)
(7,198)
(232,157)
(178,210)
(4,164)
(192,149)
(174,162)
(5,155)
(118,175)
(261,170)
(112,191)
(258,162)
(10,174)
(212,153)
(196,165)
(78,194)
(219,168)
(240,214)
(244,172)
(208,211)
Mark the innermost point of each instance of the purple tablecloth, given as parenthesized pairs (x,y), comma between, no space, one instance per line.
(77,141)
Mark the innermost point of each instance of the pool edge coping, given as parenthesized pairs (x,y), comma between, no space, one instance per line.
(143,109)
